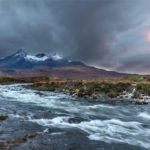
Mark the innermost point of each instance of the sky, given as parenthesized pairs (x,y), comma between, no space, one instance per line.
(109,34)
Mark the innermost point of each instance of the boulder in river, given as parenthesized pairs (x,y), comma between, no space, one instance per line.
(74,120)
(2,117)
(142,102)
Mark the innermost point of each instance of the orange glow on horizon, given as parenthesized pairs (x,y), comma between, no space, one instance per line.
(148,36)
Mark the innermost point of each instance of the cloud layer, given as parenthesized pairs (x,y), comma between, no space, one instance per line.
(111,34)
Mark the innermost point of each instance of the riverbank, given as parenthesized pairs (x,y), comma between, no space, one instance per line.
(134,87)
(85,89)
(93,90)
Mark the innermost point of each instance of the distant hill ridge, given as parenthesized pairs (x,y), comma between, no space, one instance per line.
(55,66)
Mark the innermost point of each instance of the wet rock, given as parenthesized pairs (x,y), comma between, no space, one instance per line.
(74,146)
(142,102)
(39,93)
(74,120)
(3,117)
(94,96)
(33,135)
(10,143)
(47,131)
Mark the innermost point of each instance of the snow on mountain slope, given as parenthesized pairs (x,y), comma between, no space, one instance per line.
(35,58)
(23,60)
(27,65)
(19,53)
(56,57)
(38,57)
(43,57)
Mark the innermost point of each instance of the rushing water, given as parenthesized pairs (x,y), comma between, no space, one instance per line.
(71,123)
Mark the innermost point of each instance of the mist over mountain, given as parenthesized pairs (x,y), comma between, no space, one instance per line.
(111,34)
(23,60)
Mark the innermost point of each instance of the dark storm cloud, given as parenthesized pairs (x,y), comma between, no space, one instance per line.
(111,34)
(136,62)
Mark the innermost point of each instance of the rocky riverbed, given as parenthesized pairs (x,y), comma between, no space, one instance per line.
(53,121)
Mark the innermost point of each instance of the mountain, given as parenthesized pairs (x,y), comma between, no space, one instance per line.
(22,60)
(26,65)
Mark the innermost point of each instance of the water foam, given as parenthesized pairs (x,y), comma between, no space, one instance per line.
(108,130)
(144,115)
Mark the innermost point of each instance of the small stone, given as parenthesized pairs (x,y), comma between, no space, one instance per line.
(142,102)
(3,117)
(74,120)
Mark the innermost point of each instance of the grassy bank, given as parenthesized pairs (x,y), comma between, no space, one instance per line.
(86,89)
(89,88)
(7,80)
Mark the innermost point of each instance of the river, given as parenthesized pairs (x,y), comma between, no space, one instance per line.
(55,121)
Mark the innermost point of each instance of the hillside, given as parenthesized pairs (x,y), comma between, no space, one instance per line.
(26,65)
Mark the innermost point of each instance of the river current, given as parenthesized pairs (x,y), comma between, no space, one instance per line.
(62,122)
